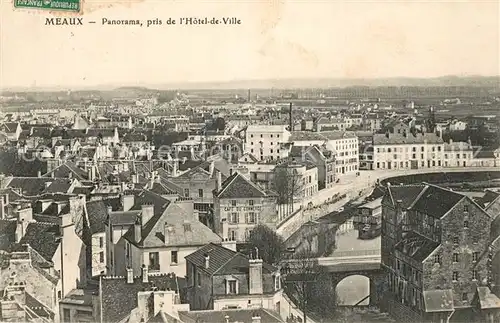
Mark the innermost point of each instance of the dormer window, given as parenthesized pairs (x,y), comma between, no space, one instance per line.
(231,286)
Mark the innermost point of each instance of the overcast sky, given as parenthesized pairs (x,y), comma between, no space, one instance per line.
(287,39)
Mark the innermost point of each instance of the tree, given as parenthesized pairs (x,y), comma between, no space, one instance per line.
(310,285)
(271,246)
(288,185)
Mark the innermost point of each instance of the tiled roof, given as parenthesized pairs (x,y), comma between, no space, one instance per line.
(104,132)
(43,238)
(231,316)
(487,300)
(436,201)
(7,233)
(116,290)
(237,186)
(416,246)
(123,218)
(410,139)
(10,127)
(407,194)
(161,189)
(31,186)
(222,260)
(65,169)
(438,300)
(185,230)
(97,214)
(59,186)
(323,136)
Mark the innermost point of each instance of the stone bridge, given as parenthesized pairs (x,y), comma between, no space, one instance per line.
(342,265)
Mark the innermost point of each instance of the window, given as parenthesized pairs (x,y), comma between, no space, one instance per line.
(465,297)
(127,249)
(154,261)
(251,217)
(234,218)
(231,287)
(455,276)
(200,192)
(455,257)
(59,294)
(475,256)
(174,257)
(233,202)
(101,242)
(271,151)
(437,259)
(232,235)
(455,240)
(186,192)
(198,279)
(466,208)
(474,275)
(101,257)
(466,224)
(250,202)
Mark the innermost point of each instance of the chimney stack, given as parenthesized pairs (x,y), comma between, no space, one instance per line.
(145,278)
(255,318)
(127,202)
(130,276)
(229,244)
(137,230)
(207,261)
(39,174)
(218,179)
(147,213)
(255,276)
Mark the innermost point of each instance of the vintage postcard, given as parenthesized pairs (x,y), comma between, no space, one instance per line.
(249,161)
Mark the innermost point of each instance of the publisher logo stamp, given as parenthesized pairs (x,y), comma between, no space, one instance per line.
(59,5)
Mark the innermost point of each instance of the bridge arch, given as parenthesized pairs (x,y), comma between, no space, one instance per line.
(359,286)
(353,289)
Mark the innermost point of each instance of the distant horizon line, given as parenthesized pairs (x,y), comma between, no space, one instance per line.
(198,85)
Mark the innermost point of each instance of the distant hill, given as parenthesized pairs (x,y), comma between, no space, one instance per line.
(467,81)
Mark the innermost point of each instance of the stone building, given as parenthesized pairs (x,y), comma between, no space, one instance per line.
(437,255)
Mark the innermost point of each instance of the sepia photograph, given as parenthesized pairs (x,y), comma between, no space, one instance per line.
(250,161)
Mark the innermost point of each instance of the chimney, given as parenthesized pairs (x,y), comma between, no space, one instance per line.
(135,178)
(145,278)
(469,141)
(127,202)
(255,318)
(2,207)
(147,213)
(130,276)
(255,276)
(290,116)
(387,134)
(228,244)
(175,167)
(450,141)
(207,261)
(20,230)
(167,228)
(218,178)
(137,230)
(39,174)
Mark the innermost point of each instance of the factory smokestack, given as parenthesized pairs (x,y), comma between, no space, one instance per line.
(290,117)
(249,97)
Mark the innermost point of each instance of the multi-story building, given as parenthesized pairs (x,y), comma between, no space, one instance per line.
(301,178)
(344,144)
(151,230)
(458,154)
(240,205)
(406,151)
(369,219)
(220,278)
(264,141)
(436,250)
(322,157)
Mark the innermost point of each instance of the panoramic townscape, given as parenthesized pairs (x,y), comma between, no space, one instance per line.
(353,204)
